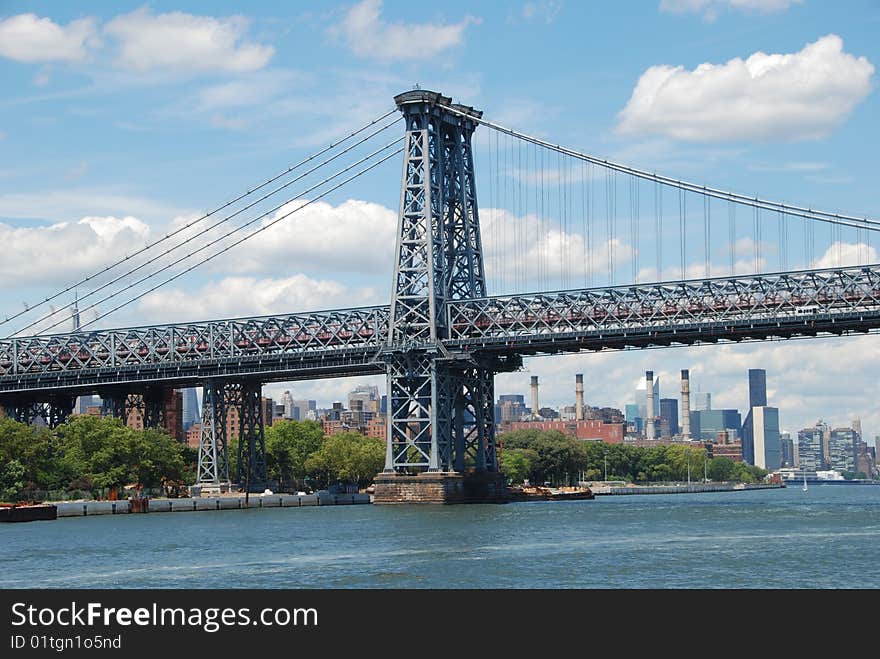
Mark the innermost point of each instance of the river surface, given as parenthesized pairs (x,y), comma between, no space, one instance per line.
(828,537)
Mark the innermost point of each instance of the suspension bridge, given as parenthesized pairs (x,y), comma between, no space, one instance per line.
(700,265)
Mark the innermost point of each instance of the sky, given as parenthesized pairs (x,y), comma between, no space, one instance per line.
(121,121)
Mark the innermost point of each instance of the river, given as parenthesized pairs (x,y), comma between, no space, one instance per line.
(827,537)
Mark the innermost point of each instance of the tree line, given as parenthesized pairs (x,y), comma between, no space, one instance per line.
(555,458)
(91,454)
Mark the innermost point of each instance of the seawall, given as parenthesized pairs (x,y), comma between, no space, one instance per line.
(197,504)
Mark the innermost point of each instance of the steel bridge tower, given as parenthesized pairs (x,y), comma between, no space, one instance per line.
(441,420)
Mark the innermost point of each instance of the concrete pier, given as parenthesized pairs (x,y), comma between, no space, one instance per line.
(440,487)
(196,504)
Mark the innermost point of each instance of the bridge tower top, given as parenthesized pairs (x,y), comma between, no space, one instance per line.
(425,102)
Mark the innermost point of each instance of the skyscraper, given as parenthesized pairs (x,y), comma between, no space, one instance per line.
(669,413)
(702,401)
(842,448)
(191,411)
(761,444)
(757,387)
(810,441)
(766,447)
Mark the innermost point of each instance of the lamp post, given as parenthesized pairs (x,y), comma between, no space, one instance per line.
(605,457)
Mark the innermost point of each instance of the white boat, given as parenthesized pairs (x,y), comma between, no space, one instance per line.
(805,481)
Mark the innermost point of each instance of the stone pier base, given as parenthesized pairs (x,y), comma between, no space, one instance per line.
(439,487)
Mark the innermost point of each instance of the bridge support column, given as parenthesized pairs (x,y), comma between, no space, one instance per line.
(252,474)
(213,469)
(52,412)
(441,426)
(153,403)
(441,433)
(116,405)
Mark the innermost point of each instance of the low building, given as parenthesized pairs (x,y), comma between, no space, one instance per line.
(587,430)
(729,450)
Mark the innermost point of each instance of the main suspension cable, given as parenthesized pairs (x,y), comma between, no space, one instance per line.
(186,226)
(223,220)
(236,230)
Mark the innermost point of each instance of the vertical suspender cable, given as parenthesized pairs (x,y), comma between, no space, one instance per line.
(682,211)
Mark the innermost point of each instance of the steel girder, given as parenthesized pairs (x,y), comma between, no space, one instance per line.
(808,299)
(252,474)
(441,415)
(150,404)
(176,346)
(213,465)
(51,412)
(432,405)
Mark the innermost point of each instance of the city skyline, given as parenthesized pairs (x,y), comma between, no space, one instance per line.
(563,394)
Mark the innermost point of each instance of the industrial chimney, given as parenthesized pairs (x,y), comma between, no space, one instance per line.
(685,404)
(579,397)
(535,414)
(649,422)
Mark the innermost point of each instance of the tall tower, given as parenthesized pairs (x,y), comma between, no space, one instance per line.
(440,404)
(649,420)
(579,397)
(685,404)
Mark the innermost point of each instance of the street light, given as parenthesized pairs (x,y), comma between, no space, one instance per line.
(605,457)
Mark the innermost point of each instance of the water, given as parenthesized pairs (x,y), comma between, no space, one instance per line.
(828,537)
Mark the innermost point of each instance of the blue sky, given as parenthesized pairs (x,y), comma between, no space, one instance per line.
(137,115)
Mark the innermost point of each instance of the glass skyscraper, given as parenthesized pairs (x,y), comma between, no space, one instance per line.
(757,387)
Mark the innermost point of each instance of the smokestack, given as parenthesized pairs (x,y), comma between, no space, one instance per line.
(535,414)
(579,397)
(649,422)
(685,404)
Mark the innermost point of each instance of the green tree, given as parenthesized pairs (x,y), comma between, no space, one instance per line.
(347,457)
(721,469)
(11,480)
(516,463)
(31,446)
(288,445)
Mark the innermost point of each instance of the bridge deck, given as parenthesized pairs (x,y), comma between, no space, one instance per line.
(351,341)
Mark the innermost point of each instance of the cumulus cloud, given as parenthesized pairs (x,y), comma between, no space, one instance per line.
(179,41)
(711,8)
(67,250)
(526,253)
(233,297)
(775,97)
(368,35)
(29,38)
(354,236)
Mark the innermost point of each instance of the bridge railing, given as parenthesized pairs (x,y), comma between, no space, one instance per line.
(220,339)
(795,295)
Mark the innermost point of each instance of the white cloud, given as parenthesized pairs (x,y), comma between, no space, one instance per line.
(841,254)
(177,41)
(233,297)
(355,236)
(29,38)
(777,97)
(710,8)
(543,10)
(367,35)
(526,254)
(59,253)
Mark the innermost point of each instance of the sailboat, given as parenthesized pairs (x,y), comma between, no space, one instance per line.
(805,481)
